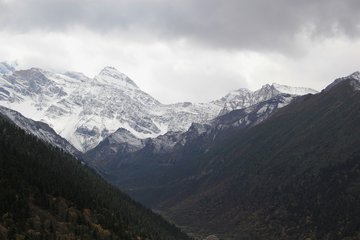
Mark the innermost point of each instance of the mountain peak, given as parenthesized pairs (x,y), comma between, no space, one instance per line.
(112,75)
(353,76)
(266,90)
(293,90)
(108,69)
(267,86)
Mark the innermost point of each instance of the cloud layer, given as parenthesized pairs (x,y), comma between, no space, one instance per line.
(195,50)
(239,24)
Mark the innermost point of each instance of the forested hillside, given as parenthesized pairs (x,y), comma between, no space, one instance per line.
(47,194)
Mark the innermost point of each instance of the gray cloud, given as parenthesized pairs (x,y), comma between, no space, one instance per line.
(231,24)
(182,47)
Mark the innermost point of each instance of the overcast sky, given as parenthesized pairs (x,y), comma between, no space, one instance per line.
(187,50)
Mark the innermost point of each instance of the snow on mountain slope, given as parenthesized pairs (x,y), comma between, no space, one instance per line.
(294,90)
(252,115)
(7,68)
(38,129)
(244,98)
(124,137)
(81,109)
(354,76)
(122,147)
(86,110)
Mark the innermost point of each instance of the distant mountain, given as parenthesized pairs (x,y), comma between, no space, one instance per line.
(243,98)
(354,76)
(86,110)
(299,91)
(138,165)
(38,129)
(293,174)
(48,194)
(254,114)
(116,149)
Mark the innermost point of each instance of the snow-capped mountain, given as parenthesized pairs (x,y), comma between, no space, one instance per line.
(122,148)
(38,129)
(253,115)
(243,98)
(294,90)
(355,77)
(85,110)
(7,68)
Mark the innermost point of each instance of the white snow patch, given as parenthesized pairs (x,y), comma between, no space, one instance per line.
(294,90)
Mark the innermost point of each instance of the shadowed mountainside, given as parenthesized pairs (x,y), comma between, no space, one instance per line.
(48,194)
(295,175)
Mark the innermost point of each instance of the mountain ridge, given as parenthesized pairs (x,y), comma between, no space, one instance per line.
(252,177)
(282,179)
(48,194)
(251,172)
(86,110)
(39,129)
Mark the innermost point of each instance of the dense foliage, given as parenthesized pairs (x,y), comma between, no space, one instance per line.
(47,194)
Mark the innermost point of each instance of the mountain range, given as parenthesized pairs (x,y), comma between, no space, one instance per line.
(86,110)
(276,163)
(291,172)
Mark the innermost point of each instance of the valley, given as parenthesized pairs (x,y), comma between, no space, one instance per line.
(272,163)
(179,120)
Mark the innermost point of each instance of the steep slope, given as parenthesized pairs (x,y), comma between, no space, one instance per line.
(39,129)
(47,194)
(294,176)
(354,76)
(86,110)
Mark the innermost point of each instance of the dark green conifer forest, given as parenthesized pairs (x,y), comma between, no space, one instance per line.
(47,194)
